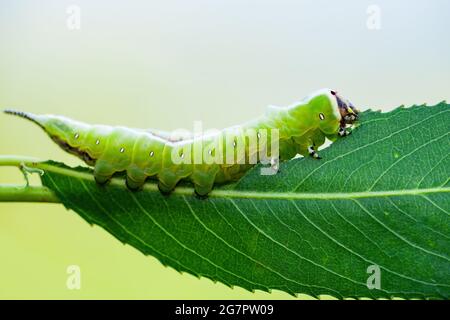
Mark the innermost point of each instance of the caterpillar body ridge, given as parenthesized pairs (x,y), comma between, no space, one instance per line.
(300,129)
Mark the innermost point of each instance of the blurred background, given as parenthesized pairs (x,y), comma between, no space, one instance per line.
(165,64)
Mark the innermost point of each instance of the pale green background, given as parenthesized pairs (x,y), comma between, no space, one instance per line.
(165,64)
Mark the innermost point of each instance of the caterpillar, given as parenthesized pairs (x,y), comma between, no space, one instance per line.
(279,135)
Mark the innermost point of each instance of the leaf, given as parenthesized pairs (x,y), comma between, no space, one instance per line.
(379,197)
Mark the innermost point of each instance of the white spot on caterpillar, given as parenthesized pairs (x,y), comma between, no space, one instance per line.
(97,142)
(321,116)
(152,153)
(122,150)
(234,144)
(210,152)
(258,135)
(182,156)
(76,135)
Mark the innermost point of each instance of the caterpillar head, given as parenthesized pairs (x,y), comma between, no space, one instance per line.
(349,114)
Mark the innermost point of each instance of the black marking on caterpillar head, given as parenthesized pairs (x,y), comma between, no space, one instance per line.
(349,114)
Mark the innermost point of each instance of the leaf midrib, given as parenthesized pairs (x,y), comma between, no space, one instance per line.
(233,193)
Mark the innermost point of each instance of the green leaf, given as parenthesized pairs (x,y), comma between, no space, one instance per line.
(378,197)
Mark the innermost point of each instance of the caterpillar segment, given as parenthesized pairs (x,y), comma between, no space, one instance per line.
(216,158)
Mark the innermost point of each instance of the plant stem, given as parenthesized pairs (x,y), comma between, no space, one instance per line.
(16,161)
(15,193)
(22,193)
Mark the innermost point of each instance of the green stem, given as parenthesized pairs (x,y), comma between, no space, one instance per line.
(42,194)
(22,193)
(14,193)
(16,161)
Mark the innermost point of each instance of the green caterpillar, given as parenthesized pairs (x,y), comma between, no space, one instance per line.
(279,135)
